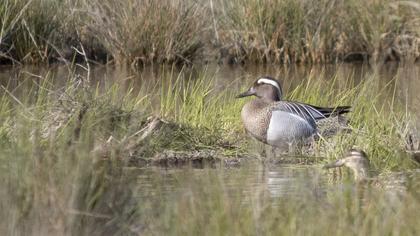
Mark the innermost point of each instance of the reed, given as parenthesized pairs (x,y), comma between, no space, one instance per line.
(147,31)
(275,31)
(283,31)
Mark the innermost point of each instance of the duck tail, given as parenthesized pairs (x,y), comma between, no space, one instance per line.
(342,110)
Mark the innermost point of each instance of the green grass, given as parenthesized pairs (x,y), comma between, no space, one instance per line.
(275,31)
(52,181)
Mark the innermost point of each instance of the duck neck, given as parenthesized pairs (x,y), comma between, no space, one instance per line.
(255,105)
(255,118)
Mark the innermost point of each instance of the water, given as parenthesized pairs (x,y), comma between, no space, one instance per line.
(250,178)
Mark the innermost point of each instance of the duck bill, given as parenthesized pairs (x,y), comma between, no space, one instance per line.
(334,164)
(247,93)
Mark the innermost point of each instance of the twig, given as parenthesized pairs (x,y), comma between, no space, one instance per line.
(76,212)
(13,96)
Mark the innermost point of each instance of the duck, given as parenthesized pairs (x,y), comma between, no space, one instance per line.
(281,123)
(358,162)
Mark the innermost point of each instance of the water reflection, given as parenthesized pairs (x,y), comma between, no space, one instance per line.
(251,179)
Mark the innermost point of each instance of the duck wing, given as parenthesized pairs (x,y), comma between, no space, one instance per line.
(308,112)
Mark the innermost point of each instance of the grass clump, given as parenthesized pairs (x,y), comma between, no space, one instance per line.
(286,31)
(148,31)
(186,117)
(275,31)
(33,31)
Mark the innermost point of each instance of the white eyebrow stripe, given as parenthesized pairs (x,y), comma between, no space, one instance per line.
(269,81)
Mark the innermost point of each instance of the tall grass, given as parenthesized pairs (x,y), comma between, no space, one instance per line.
(33,30)
(196,98)
(321,31)
(278,31)
(144,31)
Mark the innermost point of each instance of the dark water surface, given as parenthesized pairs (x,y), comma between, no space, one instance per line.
(251,178)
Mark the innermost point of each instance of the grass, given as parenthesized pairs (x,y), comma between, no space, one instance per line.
(139,31)
(33,30)
(53,181)
(276,31)
(284,31)
(201,114)
(380,124)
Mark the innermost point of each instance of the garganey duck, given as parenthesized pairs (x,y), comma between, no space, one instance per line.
(277,122)
(357,161)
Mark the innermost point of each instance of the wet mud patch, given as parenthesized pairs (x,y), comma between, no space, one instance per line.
(196,159)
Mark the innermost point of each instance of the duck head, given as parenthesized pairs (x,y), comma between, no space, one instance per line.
(356,160)
(265,88)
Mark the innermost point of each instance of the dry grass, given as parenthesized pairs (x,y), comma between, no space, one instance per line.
(274,31)
(287,31)
(148,31)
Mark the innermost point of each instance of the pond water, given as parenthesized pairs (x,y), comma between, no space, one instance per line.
(251,178)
